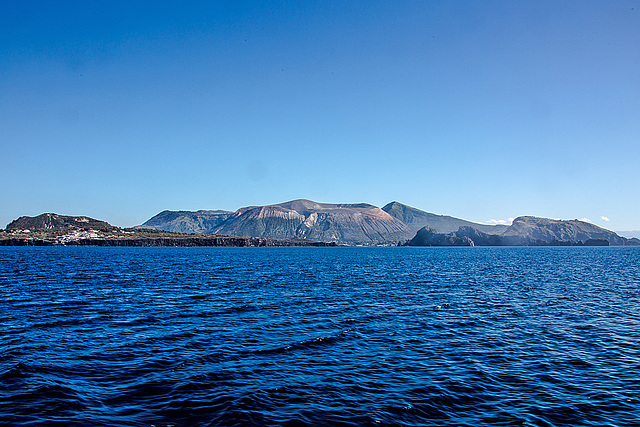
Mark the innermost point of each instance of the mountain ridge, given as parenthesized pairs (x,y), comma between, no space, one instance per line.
(192,222)
(351,223)
(416,219)
(344,223)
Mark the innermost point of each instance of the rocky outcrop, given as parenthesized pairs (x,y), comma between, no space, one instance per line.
(199,222)
(415,219)
(429,237)
(62,223)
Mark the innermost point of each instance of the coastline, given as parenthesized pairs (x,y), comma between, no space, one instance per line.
(220,241)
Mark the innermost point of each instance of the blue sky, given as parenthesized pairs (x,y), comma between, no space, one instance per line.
(480,110)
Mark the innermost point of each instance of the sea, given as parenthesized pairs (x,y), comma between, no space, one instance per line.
(337,336)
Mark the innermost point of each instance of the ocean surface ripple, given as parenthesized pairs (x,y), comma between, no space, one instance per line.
(319,336)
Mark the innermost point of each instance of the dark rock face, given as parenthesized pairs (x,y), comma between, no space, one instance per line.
(55,222)
(345,223)
(429,237)
(199,222)
(597,242)
(416,219)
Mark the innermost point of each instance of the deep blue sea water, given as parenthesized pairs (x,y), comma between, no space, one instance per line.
(319,336)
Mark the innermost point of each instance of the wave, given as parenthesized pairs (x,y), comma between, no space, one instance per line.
(307,344)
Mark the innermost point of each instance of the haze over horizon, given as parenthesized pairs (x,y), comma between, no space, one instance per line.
(479,110)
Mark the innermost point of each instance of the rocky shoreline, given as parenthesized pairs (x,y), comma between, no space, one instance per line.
(200,241)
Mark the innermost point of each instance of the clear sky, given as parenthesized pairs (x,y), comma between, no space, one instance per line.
(476,109)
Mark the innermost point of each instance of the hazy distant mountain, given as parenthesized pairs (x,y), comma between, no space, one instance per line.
(629,234)
(416,219)
(55,222)
(347,223)
(199,222)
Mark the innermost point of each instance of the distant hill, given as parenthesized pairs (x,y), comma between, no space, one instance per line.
(549,230)
(526,231)
(55,222)
(345,223)
(416,219)
(199,222)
